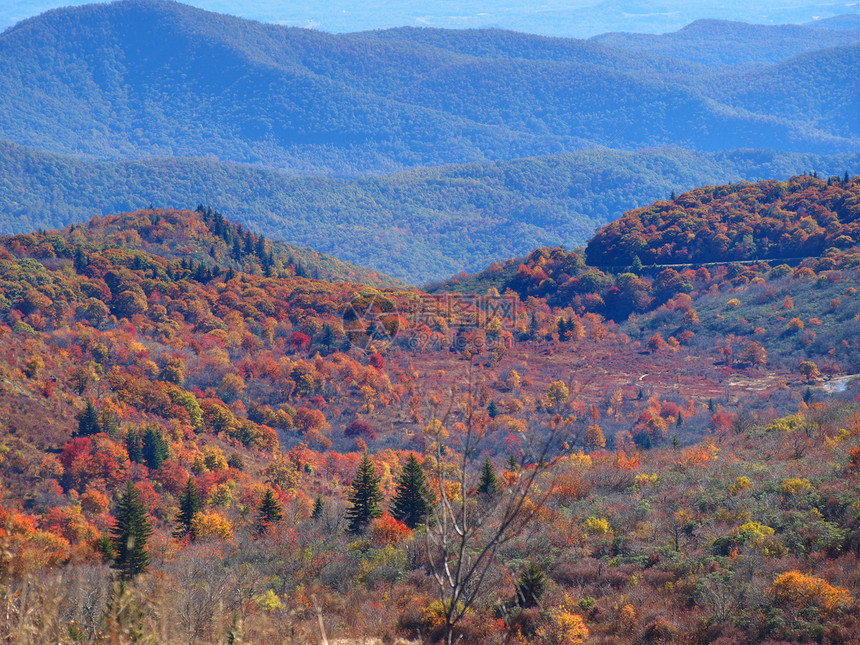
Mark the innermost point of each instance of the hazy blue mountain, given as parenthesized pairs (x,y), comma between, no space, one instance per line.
(842,21)
(720,42)
(802,99)
(150,78)
(410,224)
(578,18)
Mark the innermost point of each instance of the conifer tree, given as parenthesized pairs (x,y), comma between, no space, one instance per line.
(130,534)
(365,497)
(488,484)
(319,508)
(154,448)
(88,420)
(269,511)
(189,504)
(410,500)
(530,586)
(133,445)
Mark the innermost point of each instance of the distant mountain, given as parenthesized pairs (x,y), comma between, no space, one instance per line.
(720,42)
(549,17)
(794,89)
(150,78)
(843,21)
(410,224)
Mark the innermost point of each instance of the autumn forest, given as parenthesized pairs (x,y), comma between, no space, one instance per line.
(632,418)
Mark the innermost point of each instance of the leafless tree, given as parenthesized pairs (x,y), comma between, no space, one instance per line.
(465,532)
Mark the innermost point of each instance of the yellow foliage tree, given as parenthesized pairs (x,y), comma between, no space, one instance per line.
(594,437)
(557,394)
(563,628)
(800,591)
(208,526)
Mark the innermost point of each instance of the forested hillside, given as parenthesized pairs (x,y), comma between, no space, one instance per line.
(199,446)
(149,78)
(408,224)
(218,426)
(720,42)
(803,217)
(709,268)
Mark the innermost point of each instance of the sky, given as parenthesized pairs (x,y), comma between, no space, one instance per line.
(570,18)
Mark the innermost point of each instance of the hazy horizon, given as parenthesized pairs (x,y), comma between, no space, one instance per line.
(568,18)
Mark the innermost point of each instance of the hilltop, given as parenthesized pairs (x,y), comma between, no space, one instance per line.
(710,266)
(206,238)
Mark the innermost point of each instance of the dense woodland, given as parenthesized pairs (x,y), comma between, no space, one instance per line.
(729,43)
(408,224)
(150,78)
(283,448)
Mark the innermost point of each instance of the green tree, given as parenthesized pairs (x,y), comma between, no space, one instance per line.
(134,446)
(108,422)
(530,586)
(189,504)
(319,508)
(410,499)
(365,497)
(154,448)
(88,420)
(269,511)
(130,534)
(488,483)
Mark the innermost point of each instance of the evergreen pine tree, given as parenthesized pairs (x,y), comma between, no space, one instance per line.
(189,504)
(154,448)
(530,586)
(493,409)
(80,261)
(130,534)
(533,326)
(133,446)
(327,336)
(319,508)
(488,484)
(365,497)
(410,499)
(269,511)
(88,420)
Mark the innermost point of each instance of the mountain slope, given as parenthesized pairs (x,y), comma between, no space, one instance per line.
(147,78)
(794,89)
(769,220)
(409,224)
(721,42)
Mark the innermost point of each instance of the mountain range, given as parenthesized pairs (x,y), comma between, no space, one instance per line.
(580,18)
(381,147)
(151,78)
(408,224)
